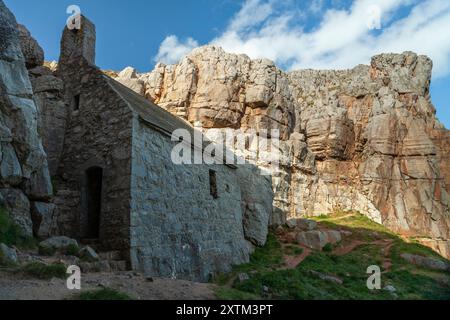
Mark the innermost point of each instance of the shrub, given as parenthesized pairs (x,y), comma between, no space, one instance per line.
(72,250)
(327,248)
(104,294)
(42,271)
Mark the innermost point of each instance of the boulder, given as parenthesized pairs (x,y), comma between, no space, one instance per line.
(257,196)
(58,243)
(426,262)
(129,78)
(89,254)
(318,239)
(307,224)
(243,277)
(7,255)
(326,277)
(43,218)
(18,207)
(390,289)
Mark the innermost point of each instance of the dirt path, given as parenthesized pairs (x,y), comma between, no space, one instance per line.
(13,287)
(292,262)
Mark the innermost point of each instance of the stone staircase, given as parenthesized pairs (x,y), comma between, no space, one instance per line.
(109,261)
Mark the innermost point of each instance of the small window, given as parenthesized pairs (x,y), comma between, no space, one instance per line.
(76,102)
(213,184)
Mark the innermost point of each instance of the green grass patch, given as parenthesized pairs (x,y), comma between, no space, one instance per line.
(72,250)
(399,247)
(293,250)
(46,251)
(11,234)
(416,286)
(232,294)
(104,294)
(45,272)
(300,283)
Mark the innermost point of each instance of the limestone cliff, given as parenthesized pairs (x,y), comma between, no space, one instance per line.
(364,139)
(25,185)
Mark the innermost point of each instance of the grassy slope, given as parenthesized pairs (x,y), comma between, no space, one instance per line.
(264,270)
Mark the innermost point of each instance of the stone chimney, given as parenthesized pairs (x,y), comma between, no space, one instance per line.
(78,43)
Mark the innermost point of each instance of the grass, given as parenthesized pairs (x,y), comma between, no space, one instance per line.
(104,294)
(46,251)
(72,250)
(293,250)
(11,234)
(300,283)
(45,272)
(268,257)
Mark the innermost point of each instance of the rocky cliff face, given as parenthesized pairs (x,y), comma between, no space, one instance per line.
(25,185)
(365,139)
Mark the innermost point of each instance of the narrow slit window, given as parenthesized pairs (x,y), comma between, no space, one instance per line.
(76,102)
(213,184)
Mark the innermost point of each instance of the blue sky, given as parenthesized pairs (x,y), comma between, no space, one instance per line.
(293,33)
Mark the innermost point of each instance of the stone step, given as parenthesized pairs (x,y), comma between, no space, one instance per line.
(118,265)
(103,266)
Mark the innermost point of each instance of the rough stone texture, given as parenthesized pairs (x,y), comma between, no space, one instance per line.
(178,229)
(7,254)
(89,254)
(18,207)
(23,160)
(304,224)
(318,239)
(44,223)
(129,78)
(426,262)
(98,134)
(364,139)
(58,243)
(53,112)
(32,51)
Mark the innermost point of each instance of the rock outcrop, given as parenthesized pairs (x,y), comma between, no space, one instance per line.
(24,170)
(364,139)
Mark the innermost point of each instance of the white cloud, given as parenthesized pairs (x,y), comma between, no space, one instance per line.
(172,50)
(342,39)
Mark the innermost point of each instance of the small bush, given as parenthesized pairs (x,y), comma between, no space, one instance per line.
(72,250)
(45,272)
(327,248)
(104,294)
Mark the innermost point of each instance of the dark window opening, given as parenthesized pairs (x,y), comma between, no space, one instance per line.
(76,102)
(213,184)
(94,180)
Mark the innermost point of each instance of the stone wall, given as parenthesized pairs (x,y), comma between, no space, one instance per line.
(98,134)
(178,229)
